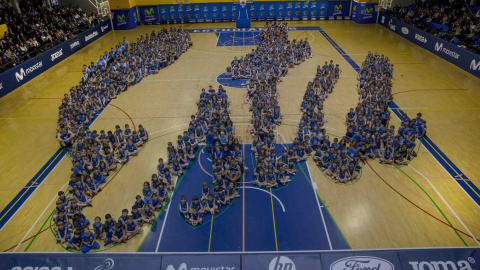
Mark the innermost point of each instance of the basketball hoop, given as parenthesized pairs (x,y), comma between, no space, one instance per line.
(110,15)
(378,8)
(243,3)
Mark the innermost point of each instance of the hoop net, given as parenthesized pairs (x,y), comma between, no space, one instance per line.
(243,3)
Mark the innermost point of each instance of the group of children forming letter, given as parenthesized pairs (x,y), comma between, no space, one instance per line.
(96,154)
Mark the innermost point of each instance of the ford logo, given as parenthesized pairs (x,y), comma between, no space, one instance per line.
(362,263)
(405,30)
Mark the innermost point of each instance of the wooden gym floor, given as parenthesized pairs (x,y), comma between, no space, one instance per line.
(386,208)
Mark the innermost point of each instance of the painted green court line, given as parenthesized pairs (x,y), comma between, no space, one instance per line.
(431,199)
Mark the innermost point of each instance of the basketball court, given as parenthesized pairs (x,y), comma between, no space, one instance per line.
(433,201)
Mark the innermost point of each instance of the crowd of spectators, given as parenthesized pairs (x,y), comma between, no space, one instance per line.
(38,28)
(452,20)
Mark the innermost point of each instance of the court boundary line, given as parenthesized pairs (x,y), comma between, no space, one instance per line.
(265,252)
(397,111)
(273,217)
(319,206)
(166,216)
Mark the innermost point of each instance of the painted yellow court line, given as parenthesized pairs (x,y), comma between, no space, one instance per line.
(458,174)
(31,185)
(273,216)
(211,229)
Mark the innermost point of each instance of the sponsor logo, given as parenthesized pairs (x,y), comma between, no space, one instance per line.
(183,266)
(1,86)
(420,38)
(474,65)
(405,30)
(92,35)
(368,10)
(337,10)
(22,73)
(149,12)
(74,44)
(281,263)
(439,48)
(107,265)
(103,28)
(443,265)
(392,26)
(149,15)
(121,20)
(56,54)
(383,19)
(362,262)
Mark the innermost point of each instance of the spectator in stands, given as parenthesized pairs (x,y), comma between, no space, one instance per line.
(450,20)
(37,29)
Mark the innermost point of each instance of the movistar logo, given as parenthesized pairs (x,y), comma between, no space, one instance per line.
(337,7)
(182,266)
(121,17)
(368,10)
(354,8)
(474,65)
(150,11)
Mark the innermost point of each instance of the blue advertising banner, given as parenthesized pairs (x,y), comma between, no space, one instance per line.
(406,259)
(149,14)
(70,261)
(259,11)
(164,13)
(462,58)
(200,262)
(364,12)
(323,10)
(20,74)
(124,18)
(461,258)
(281,261)
(338,9)
(188,11)
(380,260)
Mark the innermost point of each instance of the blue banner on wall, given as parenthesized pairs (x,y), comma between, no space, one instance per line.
(406,259)
(364,12)
(281,261)
(149,14)
(76,261)
(462,58)
(200,262)
(125,18)
(20,74)
(258,11)
(338,9)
